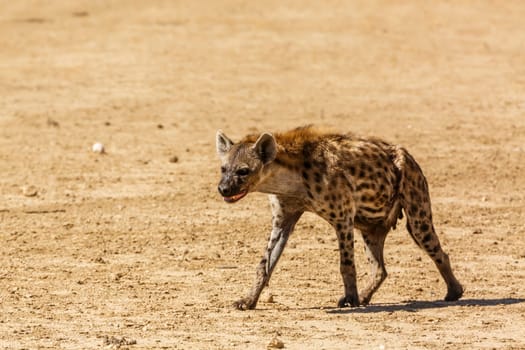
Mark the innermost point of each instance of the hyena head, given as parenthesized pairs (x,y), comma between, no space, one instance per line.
(243,164)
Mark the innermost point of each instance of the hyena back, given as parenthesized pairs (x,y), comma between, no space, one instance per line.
(351,182)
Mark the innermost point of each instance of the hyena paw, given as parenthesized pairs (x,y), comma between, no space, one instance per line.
(244,304)
(364,300)
(454,293)
(348,300)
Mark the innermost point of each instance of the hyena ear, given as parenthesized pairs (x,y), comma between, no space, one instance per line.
(223,143)
(266,147)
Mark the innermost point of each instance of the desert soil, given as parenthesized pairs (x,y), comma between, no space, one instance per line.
(135,248)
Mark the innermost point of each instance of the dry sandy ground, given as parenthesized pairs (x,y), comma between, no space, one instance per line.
(131,250)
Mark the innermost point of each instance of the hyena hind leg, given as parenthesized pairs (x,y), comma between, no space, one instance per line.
(374,239)
(416,203)
(426,238)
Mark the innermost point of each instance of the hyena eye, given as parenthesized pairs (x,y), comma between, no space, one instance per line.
(223,169)
(242,171)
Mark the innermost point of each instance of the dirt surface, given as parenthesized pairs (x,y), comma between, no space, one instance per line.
(135,248)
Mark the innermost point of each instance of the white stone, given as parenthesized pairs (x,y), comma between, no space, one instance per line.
(98,147)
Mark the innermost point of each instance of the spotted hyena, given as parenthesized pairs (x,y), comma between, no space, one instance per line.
(351,182)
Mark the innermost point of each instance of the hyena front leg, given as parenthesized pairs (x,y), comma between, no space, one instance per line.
(284,219)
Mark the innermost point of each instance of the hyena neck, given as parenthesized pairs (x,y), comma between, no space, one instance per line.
(283,176)
(281,180)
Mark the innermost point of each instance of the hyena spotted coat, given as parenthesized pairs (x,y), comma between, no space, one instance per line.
(351,182)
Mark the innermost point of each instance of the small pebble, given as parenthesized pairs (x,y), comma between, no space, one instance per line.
(115,277)
(174,159)
(53,123)
(80,14)
(275,343)
(100,260)
(29,191)
(98,148)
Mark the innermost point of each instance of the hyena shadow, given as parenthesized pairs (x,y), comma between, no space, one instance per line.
(414,306)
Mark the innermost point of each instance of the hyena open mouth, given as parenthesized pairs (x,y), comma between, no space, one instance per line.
(235,198)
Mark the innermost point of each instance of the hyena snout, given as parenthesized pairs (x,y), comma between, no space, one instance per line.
(225,189)
(231,192)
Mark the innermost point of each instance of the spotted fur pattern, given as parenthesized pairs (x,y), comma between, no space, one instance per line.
(351,182)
